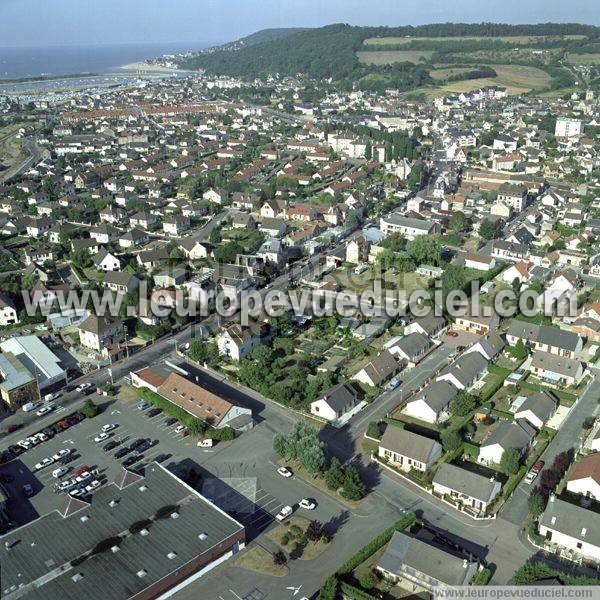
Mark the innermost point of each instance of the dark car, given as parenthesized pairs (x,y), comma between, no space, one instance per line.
(7,456)
(65,460)
(71,421)
(170,421)
(28,490)
(16,450)
(461,348)
(153,412)
(108,447)
(12,427)
(49,431)
(79,416)
(122,452)
(146,445)
(162,457)
(130,460)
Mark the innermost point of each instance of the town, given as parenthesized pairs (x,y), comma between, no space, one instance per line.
(297,453)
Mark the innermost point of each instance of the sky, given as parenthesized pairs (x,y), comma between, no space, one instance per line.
(38,23)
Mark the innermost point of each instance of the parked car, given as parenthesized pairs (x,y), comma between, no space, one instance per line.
(29,406)
(284,513)
(143,405)
(109,427)
(45,462)
(95,483)
(44,410)
(60,472)
(162,457)
(130,460)
(83,386)
(28,490)
(12,427)
(122,452)
(284,472)
(152,413)
(207,443)
(535,471)
(62,453)
(307,503)
(170,421)
(50,397)
(451,334)
(110,446)
(101,437)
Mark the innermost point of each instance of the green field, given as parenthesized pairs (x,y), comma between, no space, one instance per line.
(444,73)
(517,79)
(583,59)
(515,39)
(388,57)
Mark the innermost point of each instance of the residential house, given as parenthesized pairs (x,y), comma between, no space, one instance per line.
(106,261)
(379,369)
(237,341)
(572,528)
(273,227)
(430,325)
(432,404)
(8,311)
(406,450)
(465,371)
(176,225)
(97,333)
(584,479)
(510,435)
(537,409)
(489,346)
(556,369)
(336,402)
(105,233)
(410,228)
(423,568)
(411,348)
(469,489)
(134,237)
(121,282)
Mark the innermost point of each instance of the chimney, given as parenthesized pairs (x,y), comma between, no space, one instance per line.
(552,498)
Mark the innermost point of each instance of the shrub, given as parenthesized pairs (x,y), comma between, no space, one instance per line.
(329,589)
(373,430)
(195,426)
(89,409)
(224,434)
(367,580)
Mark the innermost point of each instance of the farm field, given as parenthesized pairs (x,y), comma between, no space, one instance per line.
(516,39)
(517,79)
(388,57)
(444,72)
(583,59)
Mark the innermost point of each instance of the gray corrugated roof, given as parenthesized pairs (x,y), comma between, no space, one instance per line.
(40,547)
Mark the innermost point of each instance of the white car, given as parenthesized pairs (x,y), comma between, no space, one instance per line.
(284,472)
(40,437)
(109,427)
(44,410)
(92,485)
(284,513)
(101,437)
(83,477)
(180,428)
(65,485)
(33,440)
(45,462)
(62,453)
(307,503)
(77,492)
(83,386)
(60,472)
(24,444)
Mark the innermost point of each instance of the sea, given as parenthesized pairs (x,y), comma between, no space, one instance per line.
(55,61)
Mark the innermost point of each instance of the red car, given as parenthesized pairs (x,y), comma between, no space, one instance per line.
(451,333)
(538,466)
(81,469)
(63,424)
(12,427)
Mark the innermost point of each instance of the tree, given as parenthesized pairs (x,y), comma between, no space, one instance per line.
(315,531)
(463,404)
(488,229)
(536,503)
(451,440)
(353,488)
(303,445)
(81,258)
(519,351)
(458,221)
(284,344)
(176,255)
(510,461)
(424,249)
(279,558)
(334,476)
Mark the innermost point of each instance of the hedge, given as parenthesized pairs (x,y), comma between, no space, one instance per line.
(377,543)
(471,450)
(224,434)
(491,390)
(510,487)
(352,593)
(500,371)
(329,589)
(482,578)
(502,414)
(394,422)
(194,424)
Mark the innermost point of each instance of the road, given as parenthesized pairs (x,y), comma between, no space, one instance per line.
(566,439)
(34,157)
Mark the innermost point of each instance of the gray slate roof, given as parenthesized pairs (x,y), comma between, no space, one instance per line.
(466,367)
(340,396)
(407,443)
(406,554)
(542,405)
(466,482)
(571,520)
(515,434)
(437,395)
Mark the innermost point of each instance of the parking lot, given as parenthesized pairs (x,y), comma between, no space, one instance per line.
(130,423)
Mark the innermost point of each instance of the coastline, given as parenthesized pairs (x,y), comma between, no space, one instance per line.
(141,65)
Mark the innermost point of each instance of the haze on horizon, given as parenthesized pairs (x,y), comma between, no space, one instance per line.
(39,23)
